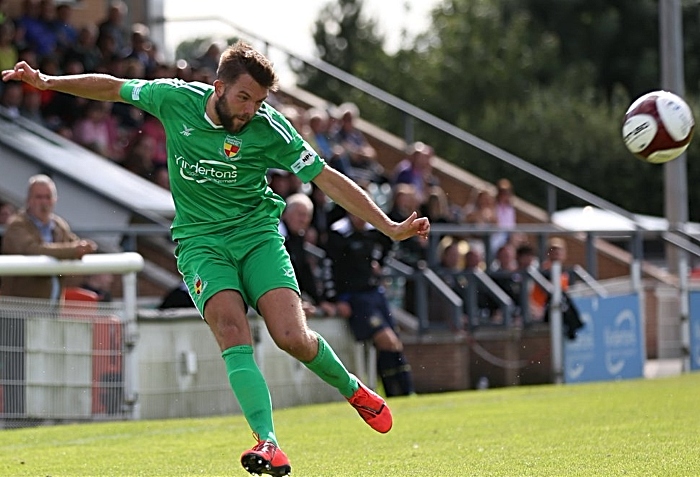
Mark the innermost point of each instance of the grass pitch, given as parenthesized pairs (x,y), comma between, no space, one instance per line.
(631,428)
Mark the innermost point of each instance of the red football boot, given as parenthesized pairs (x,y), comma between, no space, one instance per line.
(372,408)
(266,458)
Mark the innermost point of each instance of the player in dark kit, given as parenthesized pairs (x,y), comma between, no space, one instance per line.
(221,140)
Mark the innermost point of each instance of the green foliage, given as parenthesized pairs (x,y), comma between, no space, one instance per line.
(637,427)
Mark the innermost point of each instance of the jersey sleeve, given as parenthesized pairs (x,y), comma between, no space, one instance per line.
(289,150)
(144,94)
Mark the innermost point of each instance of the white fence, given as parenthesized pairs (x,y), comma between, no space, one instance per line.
(72,360)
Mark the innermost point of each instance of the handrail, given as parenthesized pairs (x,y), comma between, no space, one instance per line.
(31,265)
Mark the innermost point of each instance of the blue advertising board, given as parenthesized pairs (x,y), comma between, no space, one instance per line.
(694,312)
(611,343)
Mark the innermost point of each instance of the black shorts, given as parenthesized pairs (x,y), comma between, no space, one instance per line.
(370,313)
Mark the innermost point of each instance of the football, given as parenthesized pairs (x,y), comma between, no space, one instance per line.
(658,127)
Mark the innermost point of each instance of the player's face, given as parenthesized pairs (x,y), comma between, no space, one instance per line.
(237,103)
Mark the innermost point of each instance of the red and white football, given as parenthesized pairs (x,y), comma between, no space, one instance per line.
(658,127)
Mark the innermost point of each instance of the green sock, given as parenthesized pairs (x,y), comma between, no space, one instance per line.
(328,367)
(251,390)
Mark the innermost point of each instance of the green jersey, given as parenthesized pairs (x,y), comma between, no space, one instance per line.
(217,178)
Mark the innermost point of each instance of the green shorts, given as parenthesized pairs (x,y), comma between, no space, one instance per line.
(252,262)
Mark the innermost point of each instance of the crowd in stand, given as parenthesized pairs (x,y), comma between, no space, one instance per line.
(44,36)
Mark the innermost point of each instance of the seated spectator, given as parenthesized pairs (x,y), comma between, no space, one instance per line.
(364,167)
(11,98)
(112,29)
(62,109)
(31,105)
(416,169)
(36,230)
(85,50)
(210,58)
(505,212)
(505,260)
(481,209)
(36,23)
(8,48)
(161,177)
(63,29)
(138,157)
(140,50)
(405,202)
(355,256)
(556,251)
(7,210)
(294,227)
(154,128)
(437,206)
(97,130)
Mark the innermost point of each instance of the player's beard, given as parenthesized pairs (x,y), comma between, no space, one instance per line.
(227,118)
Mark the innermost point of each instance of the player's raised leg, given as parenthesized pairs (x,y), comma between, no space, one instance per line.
(285,320)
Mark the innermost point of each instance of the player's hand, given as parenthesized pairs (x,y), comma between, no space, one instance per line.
(23,72)
(410,227)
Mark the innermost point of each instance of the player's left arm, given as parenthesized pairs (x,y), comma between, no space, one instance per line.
(352,198)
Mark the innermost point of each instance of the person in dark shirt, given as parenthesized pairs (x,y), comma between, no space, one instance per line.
(356,252)
(296,229)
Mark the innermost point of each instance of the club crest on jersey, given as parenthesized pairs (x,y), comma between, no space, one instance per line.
(231,146)
(199,285)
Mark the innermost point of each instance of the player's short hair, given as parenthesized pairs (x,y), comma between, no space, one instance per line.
(240,58)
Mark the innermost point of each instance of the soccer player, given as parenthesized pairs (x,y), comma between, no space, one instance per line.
(221,140)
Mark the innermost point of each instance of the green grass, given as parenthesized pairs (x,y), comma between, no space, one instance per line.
(628,428)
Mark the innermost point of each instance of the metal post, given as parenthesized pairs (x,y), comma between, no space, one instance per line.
(675,175)
(556,326)
(131,377)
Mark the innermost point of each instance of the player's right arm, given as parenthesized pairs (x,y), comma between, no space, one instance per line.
(92,86)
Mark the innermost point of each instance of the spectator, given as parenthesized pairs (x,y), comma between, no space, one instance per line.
(505,260)
(160,176)
(153,128)
(33,29)
(481,209)
(278,180)
(356,252)
(97,130)
(62,26)
(405,202)
(85,50)
(31,105)
(436,206)
(556,252)
(416,169)
(8,48)
(7,210)
(294,227)
(112,31)
(62,109)
(138,157)
(364,167)
(36,230)
(210,58)
(101,284)
(140,50)
(505,213)
(522,284)
(11,99)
